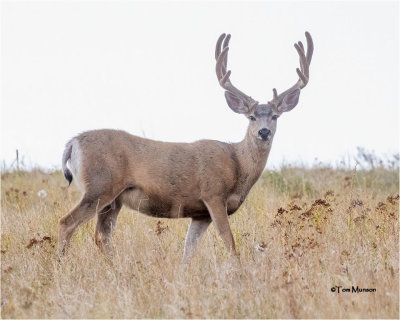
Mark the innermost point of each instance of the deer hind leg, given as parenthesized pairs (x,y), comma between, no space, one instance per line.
(106,221)
(83,212)
(196,230)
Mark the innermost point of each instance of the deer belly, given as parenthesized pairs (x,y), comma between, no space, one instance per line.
(153,205)
(136,199)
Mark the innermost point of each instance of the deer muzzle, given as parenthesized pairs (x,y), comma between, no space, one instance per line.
(264,133)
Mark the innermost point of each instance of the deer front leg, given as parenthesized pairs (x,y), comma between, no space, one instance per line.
(218,212)
(196,230)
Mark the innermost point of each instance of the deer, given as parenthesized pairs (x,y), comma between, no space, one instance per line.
(206,181)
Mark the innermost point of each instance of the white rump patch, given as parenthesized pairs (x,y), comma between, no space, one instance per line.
(75,164)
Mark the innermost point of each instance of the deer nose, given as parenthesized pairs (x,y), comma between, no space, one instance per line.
(264,133)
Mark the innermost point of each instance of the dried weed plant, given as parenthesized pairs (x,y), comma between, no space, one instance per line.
(300,232)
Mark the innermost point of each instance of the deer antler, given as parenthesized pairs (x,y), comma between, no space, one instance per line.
(303,72)
(223,75)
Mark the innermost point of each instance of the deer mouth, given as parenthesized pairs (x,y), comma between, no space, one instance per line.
(264,138)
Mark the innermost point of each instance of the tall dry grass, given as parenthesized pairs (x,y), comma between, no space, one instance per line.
(299,233)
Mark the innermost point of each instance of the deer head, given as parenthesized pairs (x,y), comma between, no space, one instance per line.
(262,117)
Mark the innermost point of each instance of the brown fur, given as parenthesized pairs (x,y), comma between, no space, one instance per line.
(171,180)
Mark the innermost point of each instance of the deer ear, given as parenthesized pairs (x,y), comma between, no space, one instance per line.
(289,101)
(235,103)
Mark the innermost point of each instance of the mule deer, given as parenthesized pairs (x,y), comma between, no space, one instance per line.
(206,180)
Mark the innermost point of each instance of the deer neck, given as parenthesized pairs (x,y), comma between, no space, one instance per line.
(251,155)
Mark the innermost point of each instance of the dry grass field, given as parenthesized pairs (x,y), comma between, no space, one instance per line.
(300,232)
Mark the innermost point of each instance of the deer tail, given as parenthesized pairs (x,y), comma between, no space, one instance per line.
(65,158)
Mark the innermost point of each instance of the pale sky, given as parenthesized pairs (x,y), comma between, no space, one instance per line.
(148,68)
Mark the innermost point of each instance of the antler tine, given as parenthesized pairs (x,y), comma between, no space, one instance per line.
(221,67)
(275,93)
(225,45)
(300,44)
(218,46)
(220,62)
(310,47)
(303,72)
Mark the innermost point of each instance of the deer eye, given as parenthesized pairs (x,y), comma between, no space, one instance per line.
(252,118)
(275,117)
